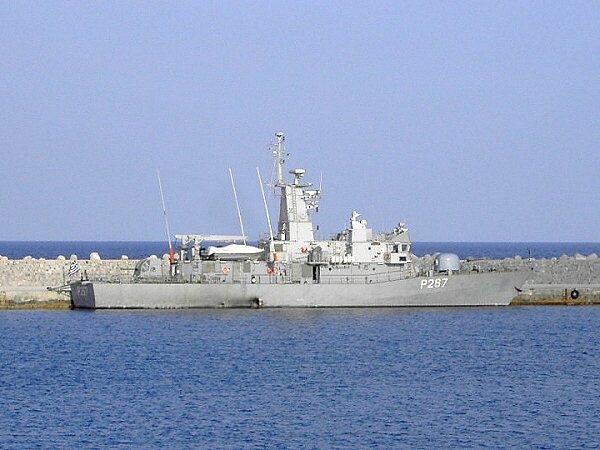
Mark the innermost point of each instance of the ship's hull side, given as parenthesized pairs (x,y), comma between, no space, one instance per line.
(496,288)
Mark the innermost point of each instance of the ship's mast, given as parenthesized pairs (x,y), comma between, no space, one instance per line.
(296,200)
(278,153)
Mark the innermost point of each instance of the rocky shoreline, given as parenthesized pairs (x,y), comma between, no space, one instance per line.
(567,280)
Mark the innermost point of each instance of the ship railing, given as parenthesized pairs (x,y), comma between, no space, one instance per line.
(278,277)
(364,278)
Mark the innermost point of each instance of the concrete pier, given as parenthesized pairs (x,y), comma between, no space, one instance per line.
(558,294)
(568,280)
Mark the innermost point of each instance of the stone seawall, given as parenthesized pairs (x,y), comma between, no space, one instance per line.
(24,282)
(576,269)
(556,281)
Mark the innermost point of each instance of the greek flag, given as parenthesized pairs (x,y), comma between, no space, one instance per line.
(74,268)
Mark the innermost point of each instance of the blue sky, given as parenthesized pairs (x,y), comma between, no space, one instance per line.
(471,121)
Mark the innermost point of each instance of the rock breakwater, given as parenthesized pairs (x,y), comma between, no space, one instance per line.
(24,282)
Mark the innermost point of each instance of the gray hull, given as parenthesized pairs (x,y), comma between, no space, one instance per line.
(494,288)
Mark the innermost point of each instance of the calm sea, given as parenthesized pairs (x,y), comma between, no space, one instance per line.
(141,249)
(518,377)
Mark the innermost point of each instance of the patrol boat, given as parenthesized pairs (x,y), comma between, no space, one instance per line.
(355,268)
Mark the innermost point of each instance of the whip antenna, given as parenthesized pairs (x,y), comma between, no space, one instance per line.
(162,199)
(237,205)
(262,190)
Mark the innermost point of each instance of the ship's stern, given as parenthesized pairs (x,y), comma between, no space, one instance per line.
(82,295)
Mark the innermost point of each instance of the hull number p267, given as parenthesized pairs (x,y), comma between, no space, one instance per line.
(433,283)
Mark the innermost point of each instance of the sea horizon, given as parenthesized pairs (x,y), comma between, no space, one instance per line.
(141,249)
